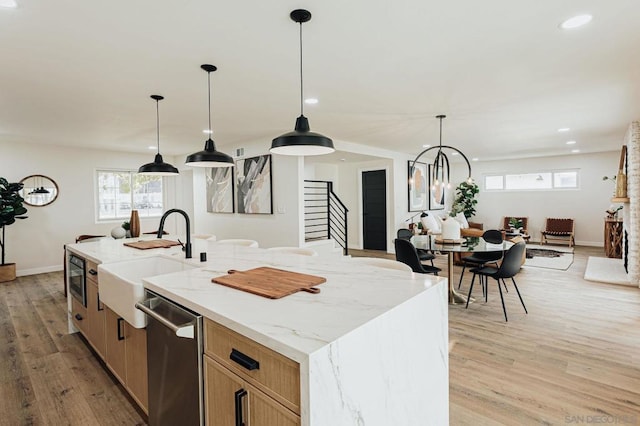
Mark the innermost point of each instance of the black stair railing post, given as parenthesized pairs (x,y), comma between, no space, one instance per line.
(329,191)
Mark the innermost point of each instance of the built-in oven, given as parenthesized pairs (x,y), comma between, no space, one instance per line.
(77,282)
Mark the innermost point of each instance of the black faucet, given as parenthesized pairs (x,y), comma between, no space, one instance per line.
(187,246)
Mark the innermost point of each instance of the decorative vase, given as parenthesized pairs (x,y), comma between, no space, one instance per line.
(621,185)
(134,224)
(118,232)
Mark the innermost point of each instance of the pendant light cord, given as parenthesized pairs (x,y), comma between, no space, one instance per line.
(158,124)
(301,85)
(209,99)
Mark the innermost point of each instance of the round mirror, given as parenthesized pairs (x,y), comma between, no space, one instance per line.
(38,190)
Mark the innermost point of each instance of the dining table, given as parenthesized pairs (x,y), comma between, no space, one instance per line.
(465,245)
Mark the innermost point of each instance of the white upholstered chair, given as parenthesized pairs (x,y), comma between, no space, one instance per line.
(382,263)
(294,250)
(239,242)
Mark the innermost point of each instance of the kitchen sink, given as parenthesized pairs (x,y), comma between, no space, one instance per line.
(121,283)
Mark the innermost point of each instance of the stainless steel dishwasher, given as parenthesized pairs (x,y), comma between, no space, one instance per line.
(174,357)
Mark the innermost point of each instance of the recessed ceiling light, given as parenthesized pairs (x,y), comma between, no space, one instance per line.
(455,153)
(575,150)
(151,147)
(207,131)
(576,21)
(311,101)
(474,159)
(571,142)
(9,4)
(564,129)
(343,159)
(426,146)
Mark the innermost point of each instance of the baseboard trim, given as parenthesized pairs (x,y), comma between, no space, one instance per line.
(35,271)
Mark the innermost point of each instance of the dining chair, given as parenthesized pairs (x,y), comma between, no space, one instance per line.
(407,254)
(294,250)
(406,234)
(85,238)
(208,237)
(238,242)
(382,263)
(509,267)
(480,259)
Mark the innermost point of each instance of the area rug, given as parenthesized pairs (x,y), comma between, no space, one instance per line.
(549,257)
(606,270)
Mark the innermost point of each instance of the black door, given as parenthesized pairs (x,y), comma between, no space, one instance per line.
(374,210)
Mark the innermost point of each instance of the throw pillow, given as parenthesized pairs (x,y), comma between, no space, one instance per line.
(429,222)
(462,220)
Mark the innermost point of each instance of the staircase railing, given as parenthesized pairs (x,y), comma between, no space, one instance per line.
(325,215)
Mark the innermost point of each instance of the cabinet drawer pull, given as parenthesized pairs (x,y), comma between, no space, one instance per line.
(244,360)
(78,317)
(93,272)
(119,326)
(239,411)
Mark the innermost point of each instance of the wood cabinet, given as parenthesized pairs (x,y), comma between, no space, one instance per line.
(126,356)
(79,316)
(247,383)
(613,234)
(115,350)
(230,400)
(121,346)
(95,332)
(136,364)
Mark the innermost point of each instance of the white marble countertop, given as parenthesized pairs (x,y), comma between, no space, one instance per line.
(295,325)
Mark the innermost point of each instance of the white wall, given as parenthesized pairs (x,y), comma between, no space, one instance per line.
(282,228)
(35,244)
(586,204)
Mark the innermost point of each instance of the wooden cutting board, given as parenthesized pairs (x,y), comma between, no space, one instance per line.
(152,244)
(270,282)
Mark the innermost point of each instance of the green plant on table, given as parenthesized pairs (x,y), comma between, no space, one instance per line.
(126,225)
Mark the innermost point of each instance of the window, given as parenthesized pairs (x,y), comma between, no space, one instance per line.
(121,191)
(561,179)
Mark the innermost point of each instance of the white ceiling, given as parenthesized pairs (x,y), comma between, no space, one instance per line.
(80,73)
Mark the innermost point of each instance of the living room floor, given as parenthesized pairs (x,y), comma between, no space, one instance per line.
(574,357)
(576,354)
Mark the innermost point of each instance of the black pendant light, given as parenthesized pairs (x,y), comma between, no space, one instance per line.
(209,157)
(440,169)
(302,141)
(158,167)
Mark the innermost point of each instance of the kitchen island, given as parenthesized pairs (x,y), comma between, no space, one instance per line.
(370,349)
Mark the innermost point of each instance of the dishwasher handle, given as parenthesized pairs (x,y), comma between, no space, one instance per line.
(186,331)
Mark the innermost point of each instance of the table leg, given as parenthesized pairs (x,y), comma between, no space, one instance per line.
(454,297)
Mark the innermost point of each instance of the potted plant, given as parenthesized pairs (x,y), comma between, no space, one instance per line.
(465,200)
(515,224)
(127,227)
(11,208)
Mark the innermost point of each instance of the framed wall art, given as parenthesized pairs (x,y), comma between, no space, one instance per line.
(253,179)
(220,189)
(436,193)
(417,186)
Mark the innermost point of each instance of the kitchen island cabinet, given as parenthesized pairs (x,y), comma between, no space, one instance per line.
(370,348)
(122,347)
(126,356)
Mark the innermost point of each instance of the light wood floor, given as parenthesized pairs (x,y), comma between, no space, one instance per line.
(47,376)
(577,353)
